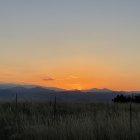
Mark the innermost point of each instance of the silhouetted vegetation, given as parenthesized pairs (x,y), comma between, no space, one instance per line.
(124,99)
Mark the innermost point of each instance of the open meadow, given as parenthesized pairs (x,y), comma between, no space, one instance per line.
(69,121)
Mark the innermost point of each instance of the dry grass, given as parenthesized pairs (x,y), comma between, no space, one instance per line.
(71,121)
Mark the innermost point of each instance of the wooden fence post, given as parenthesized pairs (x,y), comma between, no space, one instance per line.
(16,105)
(55,109)
(130,116)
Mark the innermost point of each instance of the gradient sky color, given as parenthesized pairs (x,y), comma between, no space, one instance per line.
(73,44)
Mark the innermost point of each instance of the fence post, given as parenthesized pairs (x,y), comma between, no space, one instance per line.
(130,116)
(50,102)
(16,105)
(54,106)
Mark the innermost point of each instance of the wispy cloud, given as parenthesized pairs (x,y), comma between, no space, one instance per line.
(73,77)
(48,78)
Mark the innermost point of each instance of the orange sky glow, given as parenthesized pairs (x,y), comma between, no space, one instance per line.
(68,80)
(71,44)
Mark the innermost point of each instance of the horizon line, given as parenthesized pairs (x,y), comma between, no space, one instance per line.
(38,85)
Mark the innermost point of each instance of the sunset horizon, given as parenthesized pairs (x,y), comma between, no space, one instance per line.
(74,87)
(71,45)
(69,69)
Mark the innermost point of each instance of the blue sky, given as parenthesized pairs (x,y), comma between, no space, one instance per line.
(80,36)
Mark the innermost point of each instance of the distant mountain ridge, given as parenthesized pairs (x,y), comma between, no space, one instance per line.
(38,93)
(9,85)
(27,86)
(98,90)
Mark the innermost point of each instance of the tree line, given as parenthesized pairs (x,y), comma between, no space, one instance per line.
(124,99)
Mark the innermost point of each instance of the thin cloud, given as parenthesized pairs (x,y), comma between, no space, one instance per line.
(73,77)
(48,79)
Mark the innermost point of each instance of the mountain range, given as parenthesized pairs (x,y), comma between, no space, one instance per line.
(40,93)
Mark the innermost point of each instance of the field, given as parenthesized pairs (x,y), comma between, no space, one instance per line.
(69,121)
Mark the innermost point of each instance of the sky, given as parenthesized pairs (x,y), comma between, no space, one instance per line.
(71,44)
